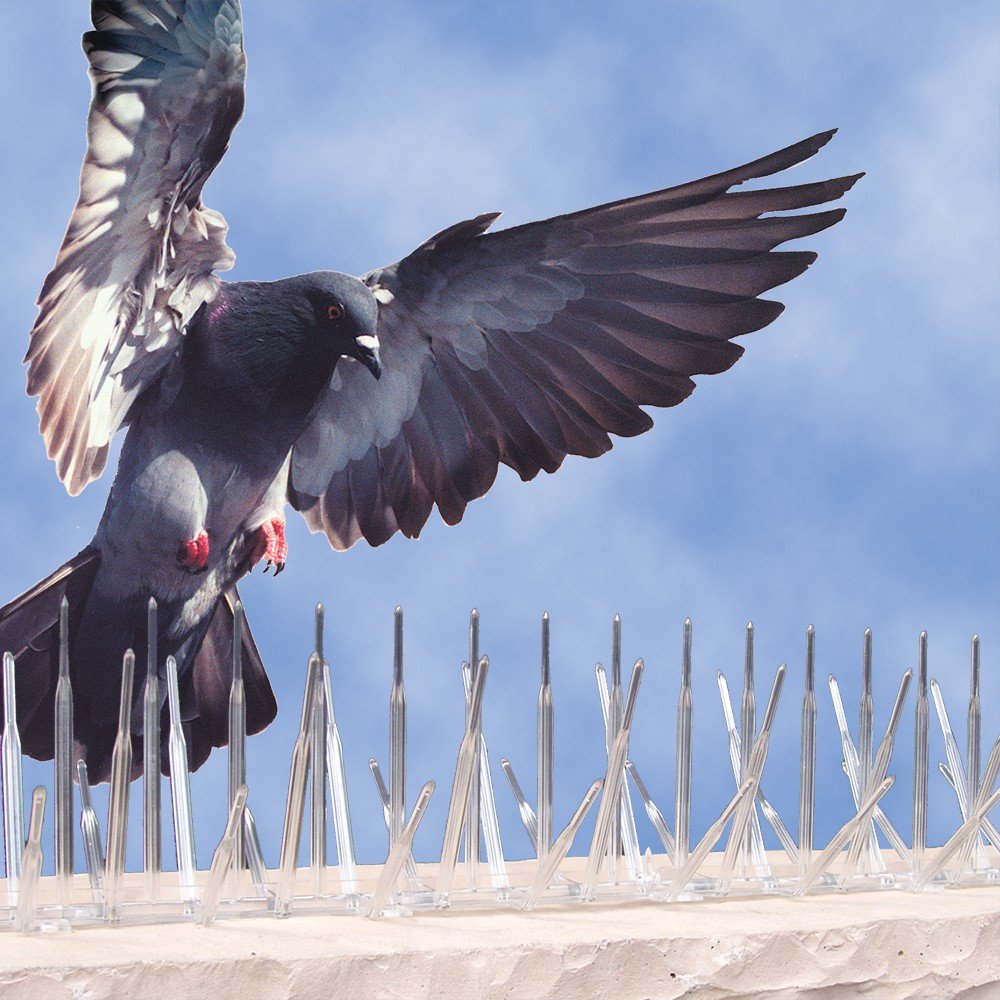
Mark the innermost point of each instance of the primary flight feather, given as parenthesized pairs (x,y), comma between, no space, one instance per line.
(517,347)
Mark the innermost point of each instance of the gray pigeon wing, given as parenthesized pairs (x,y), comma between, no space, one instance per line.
(140,253)
(532,343)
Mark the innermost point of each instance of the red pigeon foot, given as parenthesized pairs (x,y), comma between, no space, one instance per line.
(270,545)
(193,555)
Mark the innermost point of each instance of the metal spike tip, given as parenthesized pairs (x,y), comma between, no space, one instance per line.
(975,666)
(320,620)
(152,636)
(810,658)
(748,657)
(686,658)
(772,704)
(64,639)
(616,650)
(397,646)
(546,669)
(633,693)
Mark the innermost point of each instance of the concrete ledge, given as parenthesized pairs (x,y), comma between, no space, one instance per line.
(897,945)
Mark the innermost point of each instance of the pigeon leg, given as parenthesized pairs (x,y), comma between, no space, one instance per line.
(192,555)
(270,544)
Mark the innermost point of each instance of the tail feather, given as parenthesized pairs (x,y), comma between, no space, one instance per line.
(29,616)
(29,629)
(210,682)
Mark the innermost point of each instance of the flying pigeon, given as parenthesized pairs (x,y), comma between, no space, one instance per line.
(362,403)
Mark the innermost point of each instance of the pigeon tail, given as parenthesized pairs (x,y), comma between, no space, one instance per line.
(29,629)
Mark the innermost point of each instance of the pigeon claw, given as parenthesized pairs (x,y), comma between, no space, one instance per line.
(192,555)
(270,545)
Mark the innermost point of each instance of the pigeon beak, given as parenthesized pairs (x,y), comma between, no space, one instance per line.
(368,354)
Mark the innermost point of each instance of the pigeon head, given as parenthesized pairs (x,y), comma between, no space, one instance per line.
(270,347)
(344,316)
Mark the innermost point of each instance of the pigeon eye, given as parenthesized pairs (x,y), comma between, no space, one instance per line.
(334,311)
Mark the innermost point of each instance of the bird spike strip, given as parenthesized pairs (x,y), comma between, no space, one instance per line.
(866,853)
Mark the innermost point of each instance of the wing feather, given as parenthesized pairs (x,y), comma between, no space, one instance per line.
(530,344)
(141,250)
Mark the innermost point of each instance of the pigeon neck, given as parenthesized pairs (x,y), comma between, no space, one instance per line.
(251,354)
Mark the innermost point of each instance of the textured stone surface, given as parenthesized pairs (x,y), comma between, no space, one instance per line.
(890,944)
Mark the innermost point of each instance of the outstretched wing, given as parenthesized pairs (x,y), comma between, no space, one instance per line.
(529,344)
(138,257)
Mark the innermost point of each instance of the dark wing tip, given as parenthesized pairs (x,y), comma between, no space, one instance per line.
(774,163)
(814,143)
(837,187)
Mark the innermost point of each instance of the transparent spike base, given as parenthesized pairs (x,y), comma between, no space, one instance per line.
(83,906)
(987,875)
(706,883)
(656,884)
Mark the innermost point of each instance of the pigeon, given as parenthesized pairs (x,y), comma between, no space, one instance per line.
(360,402)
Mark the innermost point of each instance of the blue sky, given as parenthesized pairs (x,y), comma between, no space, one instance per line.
(846,472)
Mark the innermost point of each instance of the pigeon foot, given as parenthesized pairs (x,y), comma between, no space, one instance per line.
(193,555)
(270,545)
